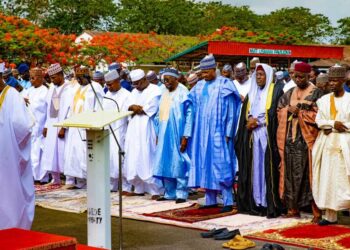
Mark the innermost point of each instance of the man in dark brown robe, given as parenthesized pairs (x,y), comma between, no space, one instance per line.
(296,134)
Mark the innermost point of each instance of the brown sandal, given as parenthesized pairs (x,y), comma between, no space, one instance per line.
(291,214)
(316,219)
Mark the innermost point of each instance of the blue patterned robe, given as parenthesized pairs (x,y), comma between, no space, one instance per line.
(216,106)
(173,121)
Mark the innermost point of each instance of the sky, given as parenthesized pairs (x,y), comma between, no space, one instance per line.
(333,9)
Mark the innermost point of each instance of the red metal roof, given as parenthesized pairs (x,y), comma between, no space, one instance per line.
(274,50)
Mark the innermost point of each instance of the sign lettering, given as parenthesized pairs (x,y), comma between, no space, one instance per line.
(94,215)
(270,51)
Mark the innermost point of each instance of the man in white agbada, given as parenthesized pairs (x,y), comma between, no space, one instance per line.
(291,83)
(116,99)
(140,140)
(16,178)
(36,98)
(242,81)
(331,151)
(58,99)
(75,151)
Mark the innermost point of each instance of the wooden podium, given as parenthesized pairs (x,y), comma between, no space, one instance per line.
(98,173)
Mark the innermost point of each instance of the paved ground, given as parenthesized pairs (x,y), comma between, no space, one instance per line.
(137,234)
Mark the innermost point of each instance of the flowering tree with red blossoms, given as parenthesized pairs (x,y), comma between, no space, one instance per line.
(120,47)
(20,40)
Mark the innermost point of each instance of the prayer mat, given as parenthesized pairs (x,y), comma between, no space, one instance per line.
(15,238)
(63,200)
(39,189)
(135,207)
(308,235)
(191,214)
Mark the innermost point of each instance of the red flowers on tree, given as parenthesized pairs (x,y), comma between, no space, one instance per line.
(21,40)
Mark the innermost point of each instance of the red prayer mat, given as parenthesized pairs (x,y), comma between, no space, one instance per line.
(308,235)
(16,238)
(191,214)
(46,188)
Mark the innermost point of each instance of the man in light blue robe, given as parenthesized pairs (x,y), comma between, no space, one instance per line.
(216,105)
(174,124)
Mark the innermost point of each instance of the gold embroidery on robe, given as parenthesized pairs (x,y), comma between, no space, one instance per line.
(79,100)
(333,109)
(3,94)
(164,108)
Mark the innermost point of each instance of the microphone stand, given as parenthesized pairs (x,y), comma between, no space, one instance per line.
(120,154)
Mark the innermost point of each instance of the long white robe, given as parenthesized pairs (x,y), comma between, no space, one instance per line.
(331,156)
(75,151)
(53,152)
(121,97)
(38,107)
(16,179)
(140,140)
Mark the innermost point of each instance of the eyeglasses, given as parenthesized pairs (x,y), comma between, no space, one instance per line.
(166,79)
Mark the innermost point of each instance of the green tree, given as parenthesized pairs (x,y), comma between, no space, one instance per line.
(217,14)
(65,15)
(33,10)
(181,17)
(160,16)
(299,21)
(343,31)
(173,17)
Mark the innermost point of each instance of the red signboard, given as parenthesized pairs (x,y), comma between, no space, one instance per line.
(274,50)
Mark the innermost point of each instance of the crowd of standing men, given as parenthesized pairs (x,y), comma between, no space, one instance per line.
(285,135)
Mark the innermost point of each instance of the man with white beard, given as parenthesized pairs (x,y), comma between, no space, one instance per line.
(116,99)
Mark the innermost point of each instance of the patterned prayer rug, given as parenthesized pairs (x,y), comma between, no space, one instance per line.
(63,200)
(191,214)
(308,235)
(135,207)
(39,189)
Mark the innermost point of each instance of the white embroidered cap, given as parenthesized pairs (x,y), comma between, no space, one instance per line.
(54,69)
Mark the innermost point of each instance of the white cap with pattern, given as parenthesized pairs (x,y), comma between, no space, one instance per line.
(54,69)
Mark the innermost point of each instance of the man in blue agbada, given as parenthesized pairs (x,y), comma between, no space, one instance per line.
(216,105)
(23,70)
(174,123)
